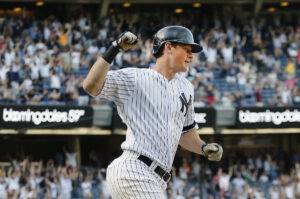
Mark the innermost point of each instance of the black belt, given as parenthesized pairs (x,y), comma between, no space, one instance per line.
(166,176)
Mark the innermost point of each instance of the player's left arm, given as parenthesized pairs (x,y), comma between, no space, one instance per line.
(191,140)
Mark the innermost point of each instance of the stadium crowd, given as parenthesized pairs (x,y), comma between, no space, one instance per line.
(268,176)
(257,62)
(272,176)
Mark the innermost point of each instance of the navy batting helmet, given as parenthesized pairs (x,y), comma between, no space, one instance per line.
(175,34)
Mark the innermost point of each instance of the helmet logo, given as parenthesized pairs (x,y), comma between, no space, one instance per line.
(160,35)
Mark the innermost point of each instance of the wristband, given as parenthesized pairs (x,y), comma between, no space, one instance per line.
(111,53)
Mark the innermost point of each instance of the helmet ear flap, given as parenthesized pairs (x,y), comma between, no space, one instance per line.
(158,50)
(156,44)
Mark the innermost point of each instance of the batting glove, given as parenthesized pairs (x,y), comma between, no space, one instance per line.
(212,151)
(126,41)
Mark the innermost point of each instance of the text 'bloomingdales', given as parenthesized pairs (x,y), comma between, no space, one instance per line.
(268,116)
(38,117)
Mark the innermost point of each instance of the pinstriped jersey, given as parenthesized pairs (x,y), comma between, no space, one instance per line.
(156,110)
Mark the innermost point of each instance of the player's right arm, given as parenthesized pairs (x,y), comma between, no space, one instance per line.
(94,81)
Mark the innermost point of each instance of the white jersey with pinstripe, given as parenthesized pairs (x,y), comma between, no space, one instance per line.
(156,111)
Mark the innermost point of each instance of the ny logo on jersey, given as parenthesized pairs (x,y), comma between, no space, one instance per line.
(184,103)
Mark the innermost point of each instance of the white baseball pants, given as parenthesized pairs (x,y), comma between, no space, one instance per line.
(130,178)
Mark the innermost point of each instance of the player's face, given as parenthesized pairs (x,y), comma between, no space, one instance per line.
(182,56)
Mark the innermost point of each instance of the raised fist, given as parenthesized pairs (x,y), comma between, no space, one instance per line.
(212,151)
(126,41)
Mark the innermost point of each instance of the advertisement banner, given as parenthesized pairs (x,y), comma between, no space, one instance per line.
(45,117)
(204,117)
(262,117)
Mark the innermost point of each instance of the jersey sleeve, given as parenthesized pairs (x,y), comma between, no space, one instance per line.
(190,122)
(119,85)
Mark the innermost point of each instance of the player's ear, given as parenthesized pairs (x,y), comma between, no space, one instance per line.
(168,47)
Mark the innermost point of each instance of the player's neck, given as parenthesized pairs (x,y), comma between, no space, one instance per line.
(164,69)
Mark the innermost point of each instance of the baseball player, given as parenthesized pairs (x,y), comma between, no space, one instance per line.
(157,106)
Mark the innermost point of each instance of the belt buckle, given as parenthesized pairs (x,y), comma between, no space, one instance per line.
(167,177)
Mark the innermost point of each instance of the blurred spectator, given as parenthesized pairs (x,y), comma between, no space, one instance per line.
(70,157)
